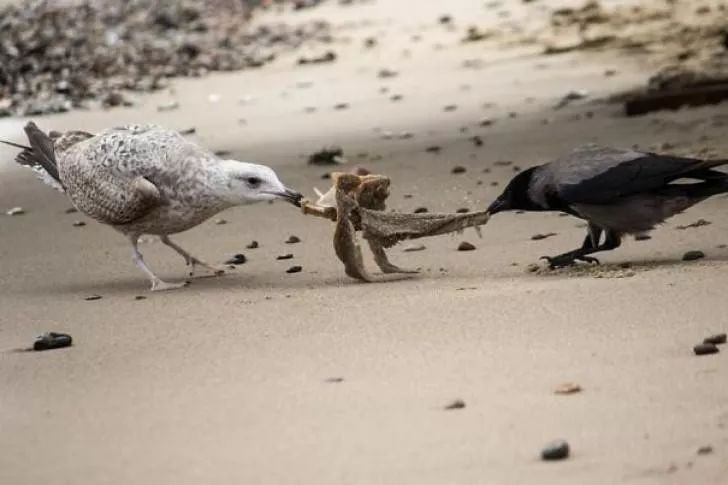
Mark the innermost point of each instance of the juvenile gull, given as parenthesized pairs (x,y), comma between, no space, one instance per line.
(147,180)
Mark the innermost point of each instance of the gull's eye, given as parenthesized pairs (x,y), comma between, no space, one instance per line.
(253,182)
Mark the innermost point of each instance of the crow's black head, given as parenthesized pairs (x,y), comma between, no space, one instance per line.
(516,195)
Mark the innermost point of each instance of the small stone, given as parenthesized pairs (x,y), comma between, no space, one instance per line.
(706,349)
(387,74)
(334,380)
(567,388)
(449,108)
(462,210)
(188,131)
(445,19)
(341,106)
(16,211)
(458,169)
(52,340)
(292,239)
(237,259)
(466,246)
(433,149)
(486,122)
(222,153)
(140,297)
(284,256)
(370,42)
(253,245)
(693,255)
(421,210)
(705,450)
(93,297)
(294,269)
(556,450)
(220,222)
(477,141)
(396,98)
(642,237)
(456,404)
(717,339)
(408,196)
(78,224)
(494,184)
(71,210)
(414,248)
(538,237)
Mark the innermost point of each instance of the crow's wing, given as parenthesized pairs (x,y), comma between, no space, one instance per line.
(597,175)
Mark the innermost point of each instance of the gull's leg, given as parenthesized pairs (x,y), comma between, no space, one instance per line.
(157,283)
(189,259)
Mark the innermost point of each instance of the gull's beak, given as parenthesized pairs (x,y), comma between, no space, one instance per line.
(290,196)
(498,205)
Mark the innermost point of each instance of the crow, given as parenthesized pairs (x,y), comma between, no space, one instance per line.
(618,192)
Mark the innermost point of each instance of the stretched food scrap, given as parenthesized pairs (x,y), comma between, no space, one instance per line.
(358,203)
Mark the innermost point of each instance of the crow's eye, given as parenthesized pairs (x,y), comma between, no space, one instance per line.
(253,182)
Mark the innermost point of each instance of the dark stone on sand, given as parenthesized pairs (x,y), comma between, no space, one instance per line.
(253,245)
(237,259)
(334,380)
(284,256)
(326,156)
(71,210)
(450,107)
(433,149)
(642,237)
(717,339)
(458,169)
(292,239)
(294,269)
(78,223)
(705,450)
(140,297)
(693,255)
(477,141)
(706,349)
(341,106)
(456,404)
(462,210)
(52,340)
(93,297)
(466,246)
(556,450)
(421,210)
(538,237)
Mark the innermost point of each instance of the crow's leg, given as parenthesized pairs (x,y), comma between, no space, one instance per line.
(591,245)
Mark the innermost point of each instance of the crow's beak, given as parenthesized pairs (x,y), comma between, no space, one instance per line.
(498,205)
(290,196)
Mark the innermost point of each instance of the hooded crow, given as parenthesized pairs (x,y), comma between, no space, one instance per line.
(618,192)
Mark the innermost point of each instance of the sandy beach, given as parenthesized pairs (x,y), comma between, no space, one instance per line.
(264,377)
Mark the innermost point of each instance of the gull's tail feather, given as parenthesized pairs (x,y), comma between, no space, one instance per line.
(39,156)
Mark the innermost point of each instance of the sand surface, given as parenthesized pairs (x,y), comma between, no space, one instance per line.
(228,380)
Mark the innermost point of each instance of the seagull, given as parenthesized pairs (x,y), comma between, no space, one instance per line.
(144,179)
(618,192)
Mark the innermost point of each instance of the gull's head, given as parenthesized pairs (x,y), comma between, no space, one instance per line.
(241,183)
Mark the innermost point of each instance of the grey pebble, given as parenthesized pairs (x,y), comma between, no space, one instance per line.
(456,404)
(253,245)
(52,340)
(466,246)
(93,297)
(693,255)
(717,339)
(284,256)
(556,450)
(706,349)
(294,269)
(292,239)
(237,259)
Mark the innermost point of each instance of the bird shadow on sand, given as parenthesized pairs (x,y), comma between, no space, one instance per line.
(627,269)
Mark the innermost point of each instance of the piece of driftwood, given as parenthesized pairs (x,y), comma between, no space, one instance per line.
(358,203)
(676,98)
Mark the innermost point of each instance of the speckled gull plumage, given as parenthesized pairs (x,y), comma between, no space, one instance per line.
(144,179)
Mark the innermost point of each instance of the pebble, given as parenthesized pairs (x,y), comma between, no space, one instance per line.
(538,237)
(220,222)
(421,210)
(71,210)
(387,74)
(716,339)
(462,210)
(477,141)
(449,108)
(341,106)
(237,259)
(567,388)
(16,211)
(140,297)
(93,297)
(78,223)
(693,255)
(334,380)
(458,169)
(292,239)
(396,98)
(433,149)
(188,131)
(294,269)
(556,450)
(414,248)
(705,450)
(706,349)
(456,404)
(52,340)
(253,245)
(466,246)
(486,122)
(284,256)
